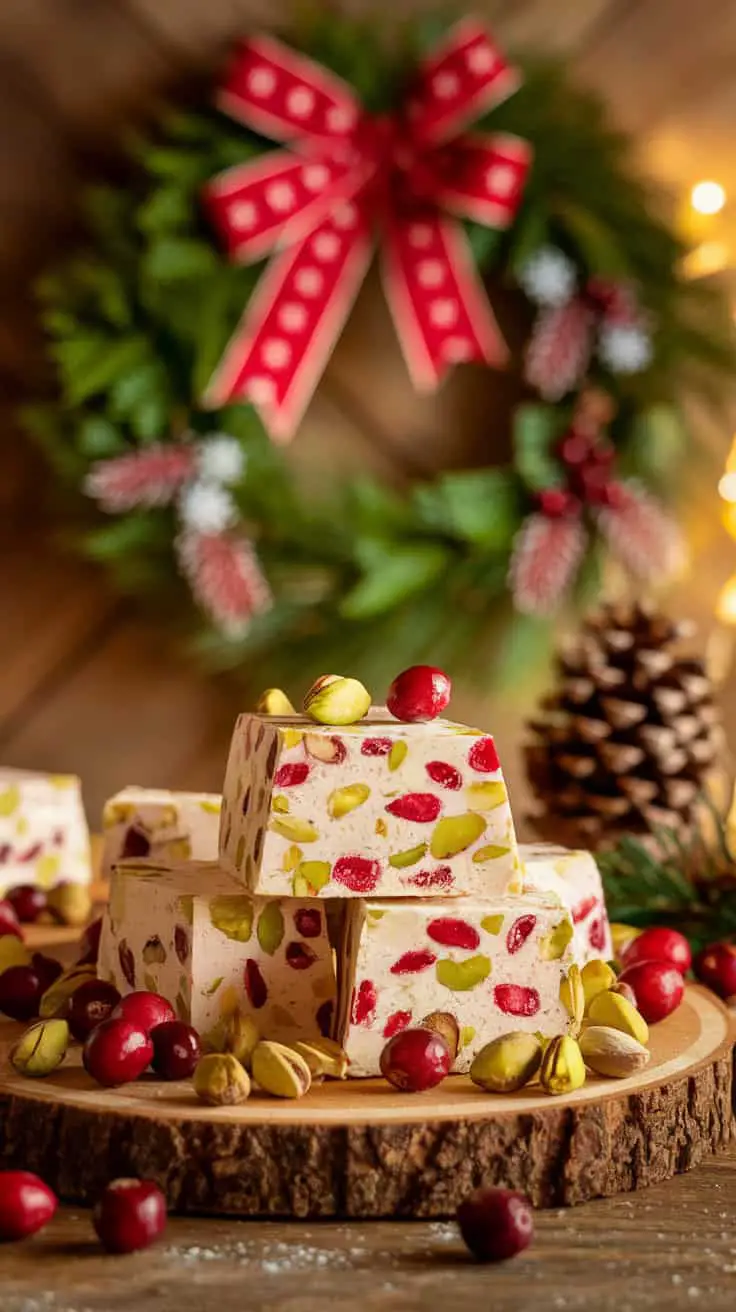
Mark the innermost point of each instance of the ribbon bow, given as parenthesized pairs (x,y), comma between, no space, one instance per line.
(409,175)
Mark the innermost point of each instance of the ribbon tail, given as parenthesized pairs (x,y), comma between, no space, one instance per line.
(281,346)
(437,301)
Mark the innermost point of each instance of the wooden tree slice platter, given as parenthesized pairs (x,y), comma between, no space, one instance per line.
(360,1149)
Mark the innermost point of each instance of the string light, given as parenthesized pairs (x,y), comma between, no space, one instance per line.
(708,197)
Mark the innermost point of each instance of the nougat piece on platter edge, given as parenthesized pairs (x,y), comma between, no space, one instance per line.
(192,934)
(575,878)
(494,965)
(378,808)
(160,825)
(44,837)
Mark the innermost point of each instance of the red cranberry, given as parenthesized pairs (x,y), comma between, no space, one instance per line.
(658,988)
(660,944)
(145,1010)
(26,1204)
(116,1052)
(28,901)
(89,944)
(9,923)
(420,693)
(715,967)
(415,1059)
(496,1223)
(176,1050)
(130,1214)
(21,991)
(48,969)
(91,1003)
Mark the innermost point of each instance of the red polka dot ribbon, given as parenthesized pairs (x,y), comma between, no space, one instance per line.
(343,176)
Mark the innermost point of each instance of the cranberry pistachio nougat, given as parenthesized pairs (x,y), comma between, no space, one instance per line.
(191,934)
(43,830)
(575,878)
(379,808)
(487,966)
(161,825)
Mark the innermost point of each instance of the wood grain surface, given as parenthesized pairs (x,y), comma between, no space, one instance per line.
(360,1149)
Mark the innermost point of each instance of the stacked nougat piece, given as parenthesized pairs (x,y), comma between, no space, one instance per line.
(367,877)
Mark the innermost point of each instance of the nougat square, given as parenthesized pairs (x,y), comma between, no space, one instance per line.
(378,808)
(44,836)
(192,934)
(158,825)
(495,965)
(575,878)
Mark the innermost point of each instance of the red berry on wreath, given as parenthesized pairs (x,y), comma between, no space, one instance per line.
(415,1060)
(117,1052)
(130,1214)
(715,967)
(660,944)
(9,922)
(496,1223)
(26,1204)
(28,901)
(144,1009)
(554,502)
(420,693)
(658,988)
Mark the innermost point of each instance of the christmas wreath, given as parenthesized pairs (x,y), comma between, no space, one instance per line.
(191,332)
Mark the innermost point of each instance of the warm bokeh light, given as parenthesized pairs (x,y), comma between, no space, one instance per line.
(728,518)
(727,486)
(706,259)
(708,197)
(726,604)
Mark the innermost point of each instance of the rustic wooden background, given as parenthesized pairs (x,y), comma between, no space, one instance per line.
(87,685)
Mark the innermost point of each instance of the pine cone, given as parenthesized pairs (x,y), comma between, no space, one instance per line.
(627,741)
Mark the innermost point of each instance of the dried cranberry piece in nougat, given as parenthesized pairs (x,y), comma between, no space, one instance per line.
(491,966)
(575,878)
(192,934)
(379,808)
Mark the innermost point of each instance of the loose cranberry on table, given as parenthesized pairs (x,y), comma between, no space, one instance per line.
(130,1214)
(9,923)
(21,990)
(26,1204)
(90,1004)
(658,988)
(28,902)
(144,1009)
(117,1052)
(715,967)
(176,1050)
(659,944)
(415,1060)
(496,1223)
(89,944)
(420,693)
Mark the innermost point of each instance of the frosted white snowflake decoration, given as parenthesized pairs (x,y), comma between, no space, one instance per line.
(221,459)
(206,507)
(624,348)
(548,277)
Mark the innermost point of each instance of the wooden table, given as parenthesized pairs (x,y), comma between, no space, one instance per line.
(672,1246)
